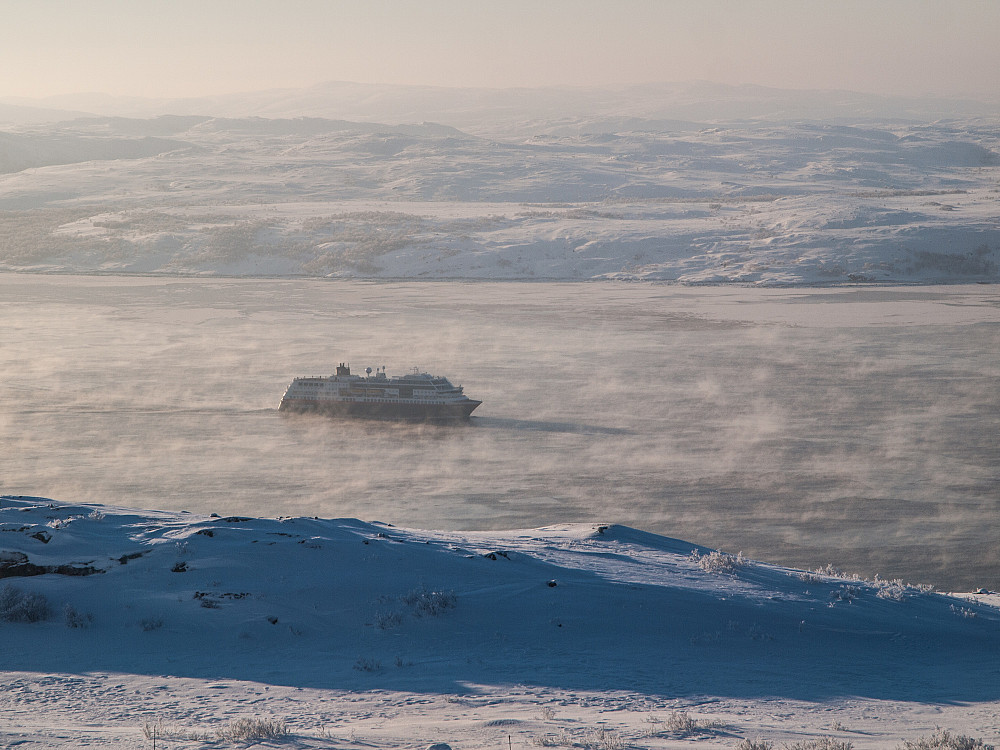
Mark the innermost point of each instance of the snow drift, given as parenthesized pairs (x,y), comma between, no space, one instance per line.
(346,604)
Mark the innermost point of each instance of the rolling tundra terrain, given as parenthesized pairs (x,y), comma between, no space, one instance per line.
(766,201)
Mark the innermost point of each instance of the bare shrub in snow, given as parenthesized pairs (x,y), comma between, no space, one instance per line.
(894,590)
(604,739)
(945,740)
(388,620)
(655,726)
(368,665)
(757,744)
(155,730)
(678,723)
(424,602)
(681,722)
(832,572)
(845,594)
(159,731)
(822,743)
(963,611)
(827,571)
(76,619)
(891,590)
(595,739)
(719,562)
(21,606)
(252,730)
(550,740)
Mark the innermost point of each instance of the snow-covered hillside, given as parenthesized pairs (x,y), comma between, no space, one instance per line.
(599,193)
(358,634)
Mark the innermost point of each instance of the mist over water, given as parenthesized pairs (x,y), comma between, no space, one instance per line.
(856,427)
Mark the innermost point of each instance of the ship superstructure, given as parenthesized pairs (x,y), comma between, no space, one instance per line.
(418,396)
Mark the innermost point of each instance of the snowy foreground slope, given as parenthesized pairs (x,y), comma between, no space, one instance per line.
(361,634)
(770,202)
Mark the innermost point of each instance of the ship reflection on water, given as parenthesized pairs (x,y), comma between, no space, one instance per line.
(502,423)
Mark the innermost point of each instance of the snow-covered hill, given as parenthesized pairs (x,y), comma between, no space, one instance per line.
(113,617)
(602,193)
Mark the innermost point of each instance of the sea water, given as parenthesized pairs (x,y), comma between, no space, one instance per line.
(858,427)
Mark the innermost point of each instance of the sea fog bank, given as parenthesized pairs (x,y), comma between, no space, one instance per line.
(850,426)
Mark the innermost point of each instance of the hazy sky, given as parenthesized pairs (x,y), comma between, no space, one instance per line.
(175,48)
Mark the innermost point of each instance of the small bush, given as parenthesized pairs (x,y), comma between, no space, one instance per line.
(679,721)
(76,619)
(388,620)
(368,665)
(758,744)
(596,739)
(549,740)
(828,571)
(719,562)
(604,739)
(891,590)
(963,612)
(424,602)
(155,730)
(19,606)
(823,743)
(845,594)
(945,740)
(160,731)
(252,730)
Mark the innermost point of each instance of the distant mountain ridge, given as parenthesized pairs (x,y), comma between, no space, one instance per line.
(481,109)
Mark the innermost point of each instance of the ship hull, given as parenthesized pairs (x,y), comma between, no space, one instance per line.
(400,411)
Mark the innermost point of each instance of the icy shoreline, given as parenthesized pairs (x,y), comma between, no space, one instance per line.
(791,285)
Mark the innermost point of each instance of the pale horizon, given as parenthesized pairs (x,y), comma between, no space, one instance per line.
(185,49)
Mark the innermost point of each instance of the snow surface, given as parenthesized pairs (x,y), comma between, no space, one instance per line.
(361,635)
(768,188)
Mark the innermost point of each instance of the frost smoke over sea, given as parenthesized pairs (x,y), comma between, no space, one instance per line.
(849,426)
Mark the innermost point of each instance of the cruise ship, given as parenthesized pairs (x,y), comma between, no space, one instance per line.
(417,397)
